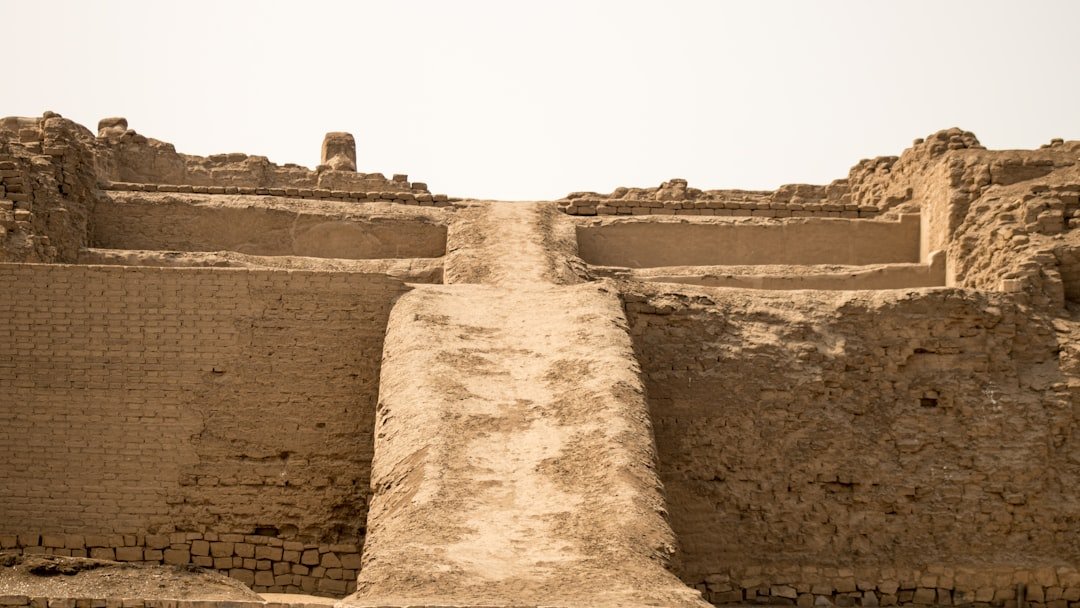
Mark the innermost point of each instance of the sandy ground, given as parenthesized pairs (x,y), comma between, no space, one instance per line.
(53,576)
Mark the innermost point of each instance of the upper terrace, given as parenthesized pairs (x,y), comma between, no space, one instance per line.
(890,224)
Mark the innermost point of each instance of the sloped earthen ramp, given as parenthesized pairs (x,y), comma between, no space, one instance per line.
(514,461)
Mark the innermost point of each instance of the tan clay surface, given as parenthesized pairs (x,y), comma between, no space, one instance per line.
(323,382)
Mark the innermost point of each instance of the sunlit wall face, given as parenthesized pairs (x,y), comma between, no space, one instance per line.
(522,101)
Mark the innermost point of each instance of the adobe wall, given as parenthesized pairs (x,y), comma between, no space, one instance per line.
(643,244)
(879,276)
(123,155)
(191,401)
(276,226)
(916,445)
(47,188)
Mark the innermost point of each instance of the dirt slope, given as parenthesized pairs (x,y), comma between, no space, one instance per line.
(514,459)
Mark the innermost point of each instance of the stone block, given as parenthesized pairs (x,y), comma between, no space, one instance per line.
(784,591)
(177,557)
(310,557)
(327,585)
(129,554)
(244,576)
(103,553)
(221,549)
(330,560)
(268,552)
(223,563)
(925,596)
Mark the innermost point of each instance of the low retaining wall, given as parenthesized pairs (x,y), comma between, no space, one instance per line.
(935,585)
(744,208)
(26,601)
(352,196)
(209,223)
(647,244)
(266,564)
(883,276)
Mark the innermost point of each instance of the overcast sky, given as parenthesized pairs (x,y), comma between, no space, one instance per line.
(517,100)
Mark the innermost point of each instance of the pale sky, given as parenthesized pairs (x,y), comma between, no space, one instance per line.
(516,100)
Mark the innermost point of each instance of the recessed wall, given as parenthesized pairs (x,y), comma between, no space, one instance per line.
(652,243)
(167,223)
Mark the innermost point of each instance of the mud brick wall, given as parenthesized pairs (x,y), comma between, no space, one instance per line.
(738,208)
(25,601)
(913,445)
(353,196)
(179,223)
(160,400)
(264,563)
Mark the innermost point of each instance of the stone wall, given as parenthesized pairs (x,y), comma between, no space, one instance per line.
(264,563)
(151,401)
(25,601)
(818,446)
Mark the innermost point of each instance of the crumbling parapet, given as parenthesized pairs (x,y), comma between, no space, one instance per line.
(112,127)
(339,152)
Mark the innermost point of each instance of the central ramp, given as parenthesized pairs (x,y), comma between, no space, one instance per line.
(514,458)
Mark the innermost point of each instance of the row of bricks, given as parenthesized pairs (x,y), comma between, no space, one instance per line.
(921,596)
(25,601)
(329,564)
(162,541)
(712,204)
(422,198)
(13,183)
(265,563)
(590,211)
